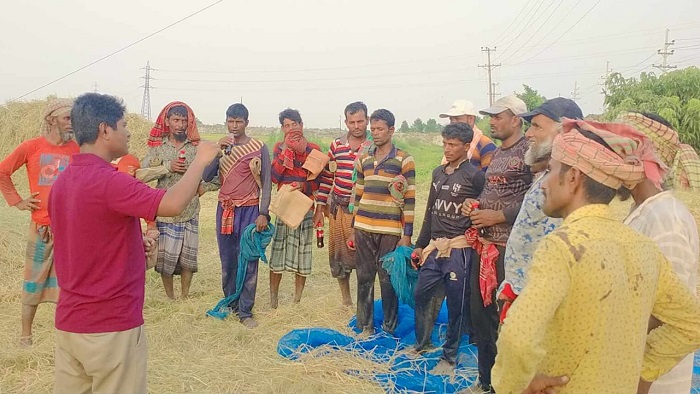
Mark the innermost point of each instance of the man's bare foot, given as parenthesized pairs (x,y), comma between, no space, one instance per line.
(443,368)
(249,322)
(366,333)
(415,353)
(25,341)
(273,300)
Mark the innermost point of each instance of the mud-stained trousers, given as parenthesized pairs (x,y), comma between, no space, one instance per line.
(440,277)
(370,248)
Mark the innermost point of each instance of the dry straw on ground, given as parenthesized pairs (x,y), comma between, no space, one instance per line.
(189,352)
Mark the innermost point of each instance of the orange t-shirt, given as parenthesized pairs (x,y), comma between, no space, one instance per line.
(44,162)
(123,163)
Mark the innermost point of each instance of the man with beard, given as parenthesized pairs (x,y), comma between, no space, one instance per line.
(531,224)
(385,199)
(507,180)
(480,150)
(45,157)
(173,144)
(581,323)
(243,173)
(442,247)
(336,185)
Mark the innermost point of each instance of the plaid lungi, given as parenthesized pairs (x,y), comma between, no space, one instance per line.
(340,257)
(40,283)
(291,248)
(177,246)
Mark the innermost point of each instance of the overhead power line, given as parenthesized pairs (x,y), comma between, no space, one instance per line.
(504,32)
(563,34)
(120,49)
(544,22)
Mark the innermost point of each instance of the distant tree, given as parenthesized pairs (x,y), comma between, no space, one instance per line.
(418,126)
(531,97)
(432,126)
(405,128)
(674,95)
(483,124)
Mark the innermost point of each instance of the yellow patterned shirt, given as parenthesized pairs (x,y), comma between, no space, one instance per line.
(585,309)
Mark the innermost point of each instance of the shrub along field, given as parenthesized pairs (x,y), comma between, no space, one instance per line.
(189,352)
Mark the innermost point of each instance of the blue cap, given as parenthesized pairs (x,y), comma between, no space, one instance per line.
(555,109)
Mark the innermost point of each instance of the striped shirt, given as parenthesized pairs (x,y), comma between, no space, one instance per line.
(282,175)
(376,211)
(483,153)
(338,182)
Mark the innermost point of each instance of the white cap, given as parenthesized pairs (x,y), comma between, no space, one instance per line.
(459,108)
(512,102)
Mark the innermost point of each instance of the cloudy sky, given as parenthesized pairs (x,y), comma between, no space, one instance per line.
(411,57)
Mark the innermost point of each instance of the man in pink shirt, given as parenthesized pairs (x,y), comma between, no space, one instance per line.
(99,253)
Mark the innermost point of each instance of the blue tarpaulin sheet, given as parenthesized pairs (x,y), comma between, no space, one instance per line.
(408,373)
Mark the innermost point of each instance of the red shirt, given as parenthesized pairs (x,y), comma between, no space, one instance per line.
(44,162)
(98,247)
(123,163)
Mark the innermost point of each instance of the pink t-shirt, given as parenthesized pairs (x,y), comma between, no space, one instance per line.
(98,247)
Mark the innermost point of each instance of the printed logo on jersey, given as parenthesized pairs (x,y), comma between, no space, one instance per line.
(51,166)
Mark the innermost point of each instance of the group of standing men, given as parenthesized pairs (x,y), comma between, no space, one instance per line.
(493,219)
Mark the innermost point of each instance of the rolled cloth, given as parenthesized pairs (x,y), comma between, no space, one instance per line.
(56,107)
(631,160)
(665,140)
(161,129)
(398,187)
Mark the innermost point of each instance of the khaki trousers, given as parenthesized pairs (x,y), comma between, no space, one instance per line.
(103,363)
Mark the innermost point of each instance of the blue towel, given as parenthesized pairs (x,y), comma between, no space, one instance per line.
(403,277)
(253,245)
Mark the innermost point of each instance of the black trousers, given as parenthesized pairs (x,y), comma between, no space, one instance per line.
(447,276)
(370,248)
(485,320)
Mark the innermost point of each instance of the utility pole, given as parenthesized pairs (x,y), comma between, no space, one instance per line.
(575,94)
(146,103)
(665,53)
(604,79)
(489,67)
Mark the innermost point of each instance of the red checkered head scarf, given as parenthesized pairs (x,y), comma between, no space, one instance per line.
(161,129)
(631,160)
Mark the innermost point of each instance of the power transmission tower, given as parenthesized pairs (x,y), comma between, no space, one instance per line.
(95,87)
(575,95)
(665,53)
(489,67)
(146,103)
